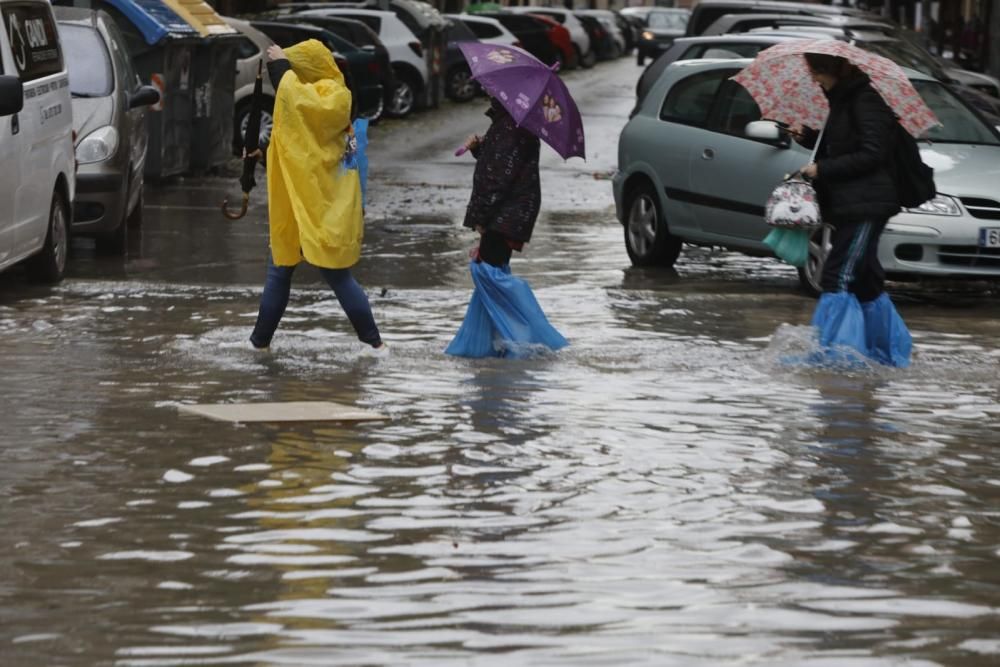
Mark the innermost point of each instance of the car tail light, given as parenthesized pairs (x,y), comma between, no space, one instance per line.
(417,48)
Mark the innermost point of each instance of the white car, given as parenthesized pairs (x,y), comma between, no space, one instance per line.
(36,140)
(405,51)
(581,40)
(488,30)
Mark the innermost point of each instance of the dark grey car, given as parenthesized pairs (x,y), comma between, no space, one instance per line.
(109,119)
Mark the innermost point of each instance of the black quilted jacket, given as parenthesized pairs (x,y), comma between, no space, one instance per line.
(506,194)
(855,181)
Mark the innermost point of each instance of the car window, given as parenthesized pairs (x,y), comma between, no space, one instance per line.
(88,60)
(459,32)
(722,51)
(484,30)
(373,22)
(958,123)
(245,48)
(690,100)
(668,20)
(734,108)
(34,42)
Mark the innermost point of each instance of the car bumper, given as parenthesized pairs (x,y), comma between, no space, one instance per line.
(938,246)
(100,201)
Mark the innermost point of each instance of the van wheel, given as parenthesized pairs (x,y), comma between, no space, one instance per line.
(49,265)
(811,275)
(648,241)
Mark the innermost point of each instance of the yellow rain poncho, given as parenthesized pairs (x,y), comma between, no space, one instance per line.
(314,203)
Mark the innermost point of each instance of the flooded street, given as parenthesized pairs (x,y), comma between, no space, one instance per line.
(665,491)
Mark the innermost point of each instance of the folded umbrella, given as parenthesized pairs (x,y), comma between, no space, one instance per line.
(530,91)
(251,143)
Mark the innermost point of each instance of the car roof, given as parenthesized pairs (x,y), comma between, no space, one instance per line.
(742,37)
(778,4)
(333,11)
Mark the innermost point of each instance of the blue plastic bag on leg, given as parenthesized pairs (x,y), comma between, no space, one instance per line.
(841,326)
(361,156)
(514,322)
(888,340)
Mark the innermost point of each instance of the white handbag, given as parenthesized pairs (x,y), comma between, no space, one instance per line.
(794,204)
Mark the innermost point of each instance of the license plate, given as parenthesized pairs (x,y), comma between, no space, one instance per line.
(989,237)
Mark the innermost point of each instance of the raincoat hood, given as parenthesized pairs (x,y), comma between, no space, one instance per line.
(314,201)
(312,62)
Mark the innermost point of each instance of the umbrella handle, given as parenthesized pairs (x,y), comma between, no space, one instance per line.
(242,211)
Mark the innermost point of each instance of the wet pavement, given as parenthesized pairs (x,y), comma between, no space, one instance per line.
(663,492)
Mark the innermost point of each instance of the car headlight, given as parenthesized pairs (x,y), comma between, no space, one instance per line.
(648,35)
(97,146)
(940,205)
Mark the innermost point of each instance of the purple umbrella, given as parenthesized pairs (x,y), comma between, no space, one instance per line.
(532,93)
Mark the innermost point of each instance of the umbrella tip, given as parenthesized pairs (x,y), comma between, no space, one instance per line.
(554,66)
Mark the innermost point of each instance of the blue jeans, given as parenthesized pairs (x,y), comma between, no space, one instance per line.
(278,287)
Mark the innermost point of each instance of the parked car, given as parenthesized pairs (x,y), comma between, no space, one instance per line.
(530,32)
(405,49)
(458,83)
(610,22)
(602,44)
(696,165)
(706,12)
(663,26)
(36,141)
(579,35)
(359,36)
(359,67)
(109,120)
(486,29)
(561,40)
(733,23)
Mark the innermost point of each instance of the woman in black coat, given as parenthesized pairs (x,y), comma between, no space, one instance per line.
(857,196)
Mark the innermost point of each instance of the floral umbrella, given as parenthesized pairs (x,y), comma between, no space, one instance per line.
(779,81)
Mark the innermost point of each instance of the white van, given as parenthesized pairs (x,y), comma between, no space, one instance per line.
(37,166)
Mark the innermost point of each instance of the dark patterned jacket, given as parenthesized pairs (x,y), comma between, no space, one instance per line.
(506,194)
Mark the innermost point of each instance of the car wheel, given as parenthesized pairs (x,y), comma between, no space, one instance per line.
(648,241)
(403,98)
(460,86)
(589,59)
(373,115)
(811,275)
(266,121)
(49,265)
(114,242)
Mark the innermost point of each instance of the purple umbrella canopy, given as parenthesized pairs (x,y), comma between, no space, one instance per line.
(531,92)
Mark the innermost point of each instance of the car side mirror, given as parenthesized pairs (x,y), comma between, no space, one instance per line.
(767,131)
(144,97)
(11,95)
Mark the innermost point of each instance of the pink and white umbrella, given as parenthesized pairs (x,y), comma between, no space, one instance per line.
(779,81)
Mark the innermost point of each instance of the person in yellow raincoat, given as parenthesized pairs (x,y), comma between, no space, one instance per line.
(314,202)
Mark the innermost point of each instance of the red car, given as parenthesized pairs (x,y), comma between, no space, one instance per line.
(559,36)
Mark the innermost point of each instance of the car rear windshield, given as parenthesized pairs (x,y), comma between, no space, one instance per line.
(668,20)
(90,73)
(959,124)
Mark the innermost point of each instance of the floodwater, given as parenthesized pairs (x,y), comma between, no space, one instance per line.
(665,491)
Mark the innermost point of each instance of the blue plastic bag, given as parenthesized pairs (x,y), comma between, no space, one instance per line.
(852,333)
(790,245)
(503,318)
(356,154)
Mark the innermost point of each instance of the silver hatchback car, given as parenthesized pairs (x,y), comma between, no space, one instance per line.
(109,118)
(696,165)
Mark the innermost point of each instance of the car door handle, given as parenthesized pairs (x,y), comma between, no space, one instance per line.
(708,154)
(15,124)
